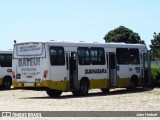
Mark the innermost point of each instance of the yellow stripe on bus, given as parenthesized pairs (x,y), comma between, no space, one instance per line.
(65,85)
(1,79)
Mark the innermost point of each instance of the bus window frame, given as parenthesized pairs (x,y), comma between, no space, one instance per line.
(118,56)
(63,57)
(137,63)
(84,48)
(5,61)
(97,62)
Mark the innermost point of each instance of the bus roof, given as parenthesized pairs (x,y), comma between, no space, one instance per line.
(85,44)
(5,51)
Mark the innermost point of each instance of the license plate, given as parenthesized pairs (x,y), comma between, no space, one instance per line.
(29,84)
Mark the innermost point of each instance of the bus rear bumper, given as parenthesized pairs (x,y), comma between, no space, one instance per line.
(48,84)
(31,85)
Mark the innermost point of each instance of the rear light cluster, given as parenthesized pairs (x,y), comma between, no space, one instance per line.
(45,74)
(13,75)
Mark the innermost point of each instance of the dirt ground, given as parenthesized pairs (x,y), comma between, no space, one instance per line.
(116,100)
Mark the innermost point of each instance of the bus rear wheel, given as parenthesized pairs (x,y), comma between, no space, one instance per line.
(83,88)
(53,93)
(133,84)
(7,83)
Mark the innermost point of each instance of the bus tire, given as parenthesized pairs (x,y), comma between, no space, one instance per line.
(53,93)
(7,83)
(133,84)
(105,90)
(83,88)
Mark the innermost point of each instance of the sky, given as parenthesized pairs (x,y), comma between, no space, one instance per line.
(75,20)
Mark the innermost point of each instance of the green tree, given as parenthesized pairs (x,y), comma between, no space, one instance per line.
(155,46)
(123,34)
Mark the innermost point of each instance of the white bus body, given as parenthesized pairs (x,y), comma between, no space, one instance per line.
(78,67)
(5,69)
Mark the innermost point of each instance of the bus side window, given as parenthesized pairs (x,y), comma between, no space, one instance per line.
(134,56)
(57,56)
(122,55)
(113,61)
(73,61)
(97,56)
(83,56)
(6,60)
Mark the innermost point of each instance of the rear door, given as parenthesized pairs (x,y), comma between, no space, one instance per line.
(72,69)
(146,67)
(112,69)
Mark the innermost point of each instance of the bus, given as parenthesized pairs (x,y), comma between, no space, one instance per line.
(5,69)
(78,67)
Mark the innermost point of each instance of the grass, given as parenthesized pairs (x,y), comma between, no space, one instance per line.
(154,70)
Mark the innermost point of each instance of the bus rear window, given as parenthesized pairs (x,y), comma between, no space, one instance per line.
(29,49)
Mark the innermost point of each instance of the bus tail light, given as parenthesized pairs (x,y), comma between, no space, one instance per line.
(45,74)
(13,75)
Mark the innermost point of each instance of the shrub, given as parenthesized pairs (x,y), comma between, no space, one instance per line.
(155,75)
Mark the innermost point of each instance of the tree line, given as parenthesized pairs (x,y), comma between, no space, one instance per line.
(126,35)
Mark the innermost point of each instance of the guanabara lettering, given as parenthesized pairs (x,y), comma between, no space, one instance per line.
(94,71)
